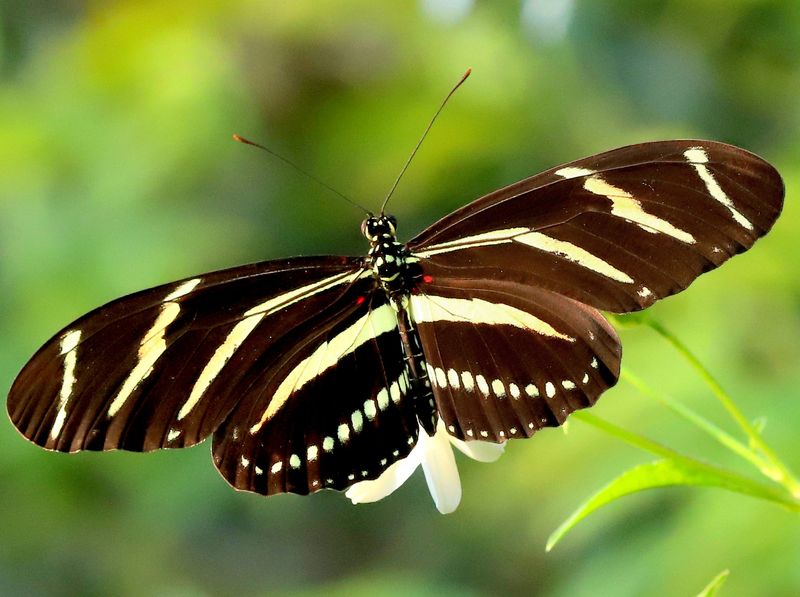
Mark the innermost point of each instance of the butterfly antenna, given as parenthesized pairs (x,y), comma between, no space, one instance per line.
(241,139)
(422,138)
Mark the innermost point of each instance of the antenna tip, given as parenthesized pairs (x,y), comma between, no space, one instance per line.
(239,138)
(468,73)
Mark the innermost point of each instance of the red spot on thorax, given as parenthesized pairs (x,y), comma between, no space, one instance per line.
(427,279)
(360,300)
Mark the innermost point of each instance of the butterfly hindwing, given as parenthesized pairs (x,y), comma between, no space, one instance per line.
(162,368)
(333,410)
(505,359)
(618,230)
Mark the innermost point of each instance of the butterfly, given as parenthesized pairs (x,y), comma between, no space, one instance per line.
(321,372)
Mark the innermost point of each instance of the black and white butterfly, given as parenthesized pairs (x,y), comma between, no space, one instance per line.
(318,372)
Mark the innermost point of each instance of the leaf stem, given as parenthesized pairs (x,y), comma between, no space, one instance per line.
(687,413)
(778,471)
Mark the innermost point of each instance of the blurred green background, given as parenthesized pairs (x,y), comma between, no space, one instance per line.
(117,172)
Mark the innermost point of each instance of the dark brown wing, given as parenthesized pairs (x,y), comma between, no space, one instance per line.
(329,407)
(164,367)
(506,359)
(618,230)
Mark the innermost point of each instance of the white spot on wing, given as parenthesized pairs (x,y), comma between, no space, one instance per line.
(369,409)
(513,389)
(482,385)
(173,434)
(549,389)
(311,453)
(466,379)
(452,378)
(383,399)
(277,467)
(343,432)
(294,461)
(532,391)
(327,444)
(498,388)
(357,421)
(441,378)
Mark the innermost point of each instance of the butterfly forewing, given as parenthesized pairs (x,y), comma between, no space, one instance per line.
(164,367)
(506,359)
(331,408)
(618,230)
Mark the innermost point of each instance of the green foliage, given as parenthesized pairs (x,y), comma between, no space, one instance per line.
(677,469)
(117,173)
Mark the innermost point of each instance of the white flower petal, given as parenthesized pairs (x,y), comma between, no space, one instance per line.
(440,469)
(478,450)
(393,477)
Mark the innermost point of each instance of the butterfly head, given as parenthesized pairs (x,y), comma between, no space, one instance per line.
(378,227)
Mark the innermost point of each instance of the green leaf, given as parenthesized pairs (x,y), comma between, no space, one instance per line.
(715,584)
(671,472)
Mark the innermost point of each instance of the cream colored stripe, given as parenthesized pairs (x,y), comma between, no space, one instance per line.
(373,324)
(224,352)
(493,237)
(183,289)
(427,308)
(625,206)
(69,346)
(284,300)
(151,348)
(698,158)
(573,253)
(245,327)
(574,172)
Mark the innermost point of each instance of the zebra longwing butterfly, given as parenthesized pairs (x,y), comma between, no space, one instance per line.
(319,372)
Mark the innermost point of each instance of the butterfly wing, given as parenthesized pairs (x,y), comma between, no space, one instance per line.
(324,412)
(164,367)
(506,359)
(616,231)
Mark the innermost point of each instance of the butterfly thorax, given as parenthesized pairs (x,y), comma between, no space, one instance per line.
(387,258)
(395,269)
